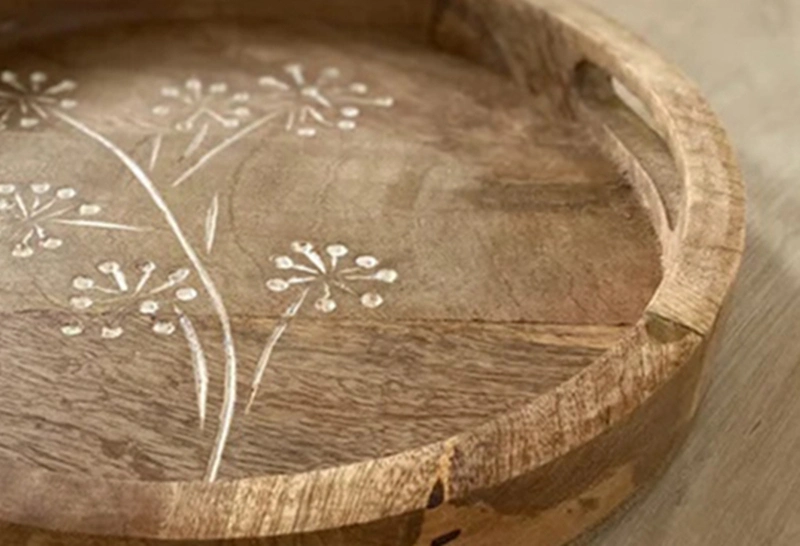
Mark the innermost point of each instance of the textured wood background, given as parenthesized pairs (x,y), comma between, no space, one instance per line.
(737,481)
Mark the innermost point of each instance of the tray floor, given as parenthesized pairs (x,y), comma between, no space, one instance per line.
(426,245)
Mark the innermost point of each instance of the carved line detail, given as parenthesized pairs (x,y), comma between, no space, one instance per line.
(311,270)
(32,215)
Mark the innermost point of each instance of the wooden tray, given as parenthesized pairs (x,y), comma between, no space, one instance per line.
(347,272)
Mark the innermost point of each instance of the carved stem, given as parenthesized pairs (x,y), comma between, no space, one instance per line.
(229,399)
(199,366)
(228,142)
(272,342)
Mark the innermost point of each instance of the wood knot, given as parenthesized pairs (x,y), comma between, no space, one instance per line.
(436,498)
(446,539)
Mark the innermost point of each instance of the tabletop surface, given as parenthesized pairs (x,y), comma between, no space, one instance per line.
(737,481)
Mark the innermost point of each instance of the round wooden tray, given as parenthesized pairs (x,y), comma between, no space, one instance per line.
(345,272)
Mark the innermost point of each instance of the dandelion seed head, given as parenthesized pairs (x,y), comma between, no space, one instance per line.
(325,305)
(367,262)
(186,294)
(386,275)
(351,112)
(179,275)
(284,262)
(371,300)
(147,267)
(66,193)
(149,307)
(325,279)
(277,285)
(310,91)
(40,188)
(347,125)
(269,81)
(337,251)
(22,251)
(72,330)
(51,243)
(38,77)
(109,267)
(359,88)
(89,210)
(68,85)
(302,247)
(194,84)
(83,283)
(184,126)
(111,333)
(81,303)
(8,76)
(164,328)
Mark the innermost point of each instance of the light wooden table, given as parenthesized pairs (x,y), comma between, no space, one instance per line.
(737,482)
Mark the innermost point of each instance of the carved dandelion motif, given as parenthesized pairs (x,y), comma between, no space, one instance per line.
(321,275)
(112,294)
(321,102)
(30,213)
(26,102)
(195,107)
(119,295)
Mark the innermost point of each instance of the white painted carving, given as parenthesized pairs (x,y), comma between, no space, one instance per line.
(199,365)
(217,302)
(222,146)
(114,295)
(118,294)
(26,102)
(194,107)
(320,274)
(324,101)
(212,217)
(302,106)
(33,216)
(200,110)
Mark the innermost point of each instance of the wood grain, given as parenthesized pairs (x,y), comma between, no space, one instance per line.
(434,179)
(562,268)
(736,481)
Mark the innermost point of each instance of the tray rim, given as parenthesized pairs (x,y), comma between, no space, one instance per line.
(708,252)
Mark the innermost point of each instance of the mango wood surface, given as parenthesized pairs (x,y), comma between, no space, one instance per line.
(736,481)
(464,303)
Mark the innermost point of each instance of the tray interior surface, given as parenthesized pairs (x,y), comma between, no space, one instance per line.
(426,245)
